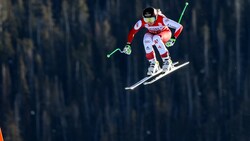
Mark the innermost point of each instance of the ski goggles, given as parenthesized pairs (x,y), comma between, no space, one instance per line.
(149,20)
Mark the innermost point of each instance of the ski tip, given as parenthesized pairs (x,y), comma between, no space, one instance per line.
(128,88)
(184,64)
(146,83)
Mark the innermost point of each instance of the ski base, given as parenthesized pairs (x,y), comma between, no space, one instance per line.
(166,73)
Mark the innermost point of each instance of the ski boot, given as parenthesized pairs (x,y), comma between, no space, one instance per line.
(153,68)
(167,64)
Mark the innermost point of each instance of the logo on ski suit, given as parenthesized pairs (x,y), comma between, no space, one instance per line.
(138,25)
(155,29)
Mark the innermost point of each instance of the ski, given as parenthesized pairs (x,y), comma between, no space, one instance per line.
(166,73)
(143,80)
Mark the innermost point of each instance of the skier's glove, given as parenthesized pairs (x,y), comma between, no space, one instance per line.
(170,42)
(127,49)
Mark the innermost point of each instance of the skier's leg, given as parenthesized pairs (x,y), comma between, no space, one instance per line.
(159,41)
(148,46)
(150,53)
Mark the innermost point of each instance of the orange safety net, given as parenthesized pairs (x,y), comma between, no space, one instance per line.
(1,135)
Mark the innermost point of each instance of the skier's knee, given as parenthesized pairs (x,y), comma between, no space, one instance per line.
(147,42)
(156,39)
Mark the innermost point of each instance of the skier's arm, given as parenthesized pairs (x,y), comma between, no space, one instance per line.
(127,49)
(173,24)
(133,31)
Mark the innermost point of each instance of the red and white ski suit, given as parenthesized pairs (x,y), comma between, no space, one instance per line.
(158,34)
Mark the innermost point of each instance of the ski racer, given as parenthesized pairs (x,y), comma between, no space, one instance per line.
(158,34)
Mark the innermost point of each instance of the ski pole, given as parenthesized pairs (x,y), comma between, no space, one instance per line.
(186,4)
(184,9)
(118,49)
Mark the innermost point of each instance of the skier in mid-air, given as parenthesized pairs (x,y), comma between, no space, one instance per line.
(158,35)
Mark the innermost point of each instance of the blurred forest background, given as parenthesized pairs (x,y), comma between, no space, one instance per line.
(57,84)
